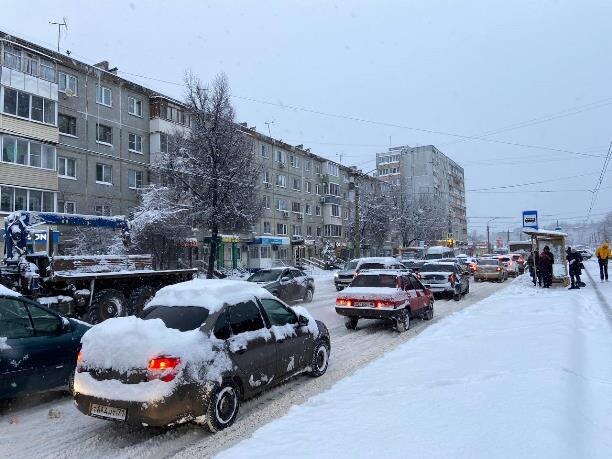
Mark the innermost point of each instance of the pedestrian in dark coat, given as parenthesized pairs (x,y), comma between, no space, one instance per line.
(546,265)
(574,260)
(532,264)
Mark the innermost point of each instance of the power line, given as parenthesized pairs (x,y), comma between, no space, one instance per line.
(530,183)
(600,180)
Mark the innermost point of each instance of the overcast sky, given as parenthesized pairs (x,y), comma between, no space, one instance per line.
(463,68)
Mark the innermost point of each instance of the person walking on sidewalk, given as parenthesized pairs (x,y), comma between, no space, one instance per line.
(574,260)
(545,264)
(603,253)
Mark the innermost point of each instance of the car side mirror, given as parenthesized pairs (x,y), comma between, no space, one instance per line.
(285,279)
(63,326)
(303,321)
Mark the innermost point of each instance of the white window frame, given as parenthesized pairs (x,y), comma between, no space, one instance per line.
(136,137)
(283,181)
(278,204)
(68,81)
(299,184)
(103,208)
(307,186)
(44,150)
(102,142)
(269,227)
(135,174)
(73,207)
(133,102)
(103,182)
(64,159)
(266,201)
(101,91)
(281,225)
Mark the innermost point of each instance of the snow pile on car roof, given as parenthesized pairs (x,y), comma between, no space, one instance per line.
(7,292)
(211,294)
(126,344)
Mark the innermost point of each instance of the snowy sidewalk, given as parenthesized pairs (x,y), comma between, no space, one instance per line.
(524,373)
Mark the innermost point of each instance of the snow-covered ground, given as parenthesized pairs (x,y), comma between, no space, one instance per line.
(51,426)
(524,373)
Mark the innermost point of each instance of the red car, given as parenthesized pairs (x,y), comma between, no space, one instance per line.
(395,296)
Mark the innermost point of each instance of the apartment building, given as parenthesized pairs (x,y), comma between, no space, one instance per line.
(426,172)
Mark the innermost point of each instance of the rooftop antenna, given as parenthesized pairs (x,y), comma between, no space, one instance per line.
(59,25)
(268,123)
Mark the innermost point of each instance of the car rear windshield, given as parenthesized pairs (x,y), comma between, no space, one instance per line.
(488,262)
(504,258)
(437,268)
(264,276)
(372,266)
(380,280)
(181,318)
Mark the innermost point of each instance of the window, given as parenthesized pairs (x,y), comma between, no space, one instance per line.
(334,189)
(308,209)
(104,134)
(66,207)
(28,153)
(294,161)
(104,95)
(30,64)
(134,179)
(45,323)
(280,156)
(281,204)
(28,106)
(307,165)
(67,83)
(309,231)
(333,169)
(223,329)
(297,183)
(296,207)
(12,57)
(317,189)
(266,202)
(66,167)
(104,174)
(266,176)
(308,187)
(47,70)
(278,313)
(281,181)
(335,210)
(333,230)
(317,168)
(135,106)
(245,317)
(296,230)
(318,231)
(281,229)
(103,210)
(134,143)
(163,142)
(318,211)
(267,228)
(67,125)
(15,321)
(12,199)
(264,151)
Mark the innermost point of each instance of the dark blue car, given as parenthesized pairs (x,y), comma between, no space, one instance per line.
(38,347)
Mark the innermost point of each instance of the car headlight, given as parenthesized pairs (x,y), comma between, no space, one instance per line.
(335,274)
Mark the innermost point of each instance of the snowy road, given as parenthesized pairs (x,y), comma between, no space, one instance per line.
(52,427)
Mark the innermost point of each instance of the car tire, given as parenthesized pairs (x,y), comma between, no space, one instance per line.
(402,322)
(223,406)
(429,313)
(139,298)
(351,323)
(467,290)
(308,295)
(320,359)
(71,384)
(457,296)
(339,287)
(107,304)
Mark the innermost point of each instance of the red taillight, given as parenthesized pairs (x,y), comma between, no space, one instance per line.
(344,302)
(163,368)
(451,278)
(386,304)
(78,362)
(498,268)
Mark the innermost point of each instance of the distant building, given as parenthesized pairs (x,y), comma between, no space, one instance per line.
(426,172)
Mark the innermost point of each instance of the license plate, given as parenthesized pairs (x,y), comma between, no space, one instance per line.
(362,304)
(108,412)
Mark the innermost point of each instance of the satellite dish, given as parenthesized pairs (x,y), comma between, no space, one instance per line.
(69,92)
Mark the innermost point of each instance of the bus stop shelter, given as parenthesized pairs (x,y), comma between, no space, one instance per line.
(555,240)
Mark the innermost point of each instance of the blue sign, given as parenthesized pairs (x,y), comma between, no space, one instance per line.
(530,219)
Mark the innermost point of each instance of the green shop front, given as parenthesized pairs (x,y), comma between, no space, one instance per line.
(228,250)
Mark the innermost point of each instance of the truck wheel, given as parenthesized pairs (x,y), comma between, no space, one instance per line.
(139,298)
(107,304)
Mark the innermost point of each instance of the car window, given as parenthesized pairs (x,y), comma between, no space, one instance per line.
(371,266)
(245,317)
(417,283)
(437,268)
(378,280)
(182,318)
(412,285)
(14,319)
(223,328)
(297,273)
(278,313)
(264,276)
(44,322)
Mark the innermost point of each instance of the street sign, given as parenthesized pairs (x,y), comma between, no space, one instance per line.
(530,219)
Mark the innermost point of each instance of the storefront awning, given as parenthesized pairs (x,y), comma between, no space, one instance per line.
(270,240)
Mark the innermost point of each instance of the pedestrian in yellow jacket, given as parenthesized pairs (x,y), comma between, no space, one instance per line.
(603,253)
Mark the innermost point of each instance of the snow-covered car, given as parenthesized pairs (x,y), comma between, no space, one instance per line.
(288,284)
(196,351)
(38,347)
(445,279)
(511,266)
(344,277)
(392,295)
(490,269)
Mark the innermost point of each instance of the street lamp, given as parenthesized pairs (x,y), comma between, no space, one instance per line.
(488,236)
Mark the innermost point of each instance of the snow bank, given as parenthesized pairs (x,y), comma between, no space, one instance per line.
(8,292)
(523,373)
(209,293)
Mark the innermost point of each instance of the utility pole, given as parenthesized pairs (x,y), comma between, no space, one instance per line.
(357,238)
(488,240)
(59,30)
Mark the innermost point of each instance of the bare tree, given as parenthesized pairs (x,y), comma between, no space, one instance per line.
(208,177)
(375,213)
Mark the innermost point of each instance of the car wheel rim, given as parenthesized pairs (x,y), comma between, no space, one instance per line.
(321,358)
(111,309)
(309,295)
(225,405)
